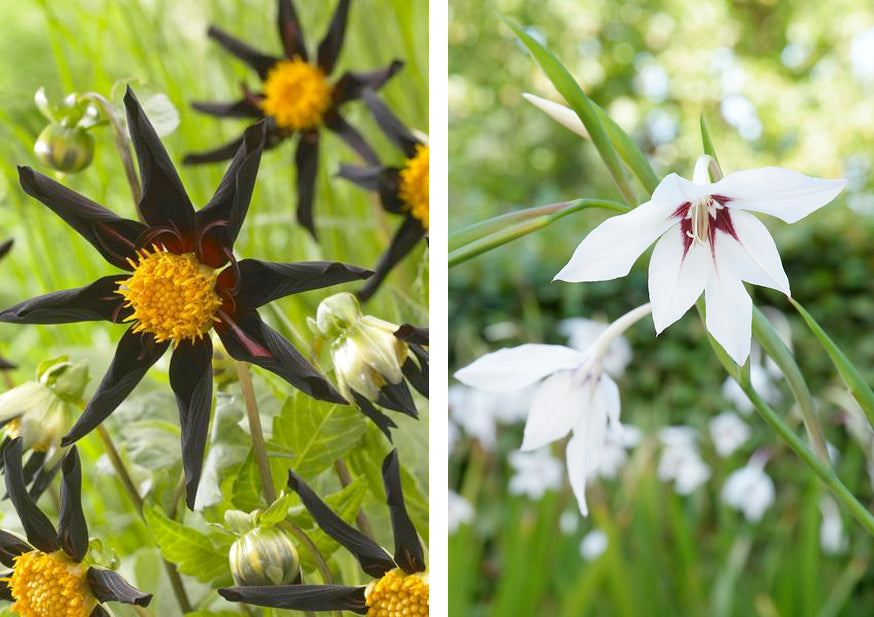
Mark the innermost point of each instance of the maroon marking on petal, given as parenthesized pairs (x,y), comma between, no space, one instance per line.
(721,199)
(251,346)
(721,222)
(682,210)
(686,230)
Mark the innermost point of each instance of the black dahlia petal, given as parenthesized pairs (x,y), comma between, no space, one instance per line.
(6,365)
(290,31)
(330,46)
(405,240)
(383,180)
(261,62)
(5,591)
(11,546)
(247,338)
(39,529)
(408,549)
(397,396)
(372,557)
(109,586)
(165,202)
(416,371)
(136,353)
(235,109)
(353,84)
(72,528)
(99,611)
(352,137)
(381,420)
(42,480)
(5,247)
(95,302)
(222,218)
(413,334)
(264,281)
(307,162)
(391,125)
(114,237)
(300,597)
(221,153)
(191,380)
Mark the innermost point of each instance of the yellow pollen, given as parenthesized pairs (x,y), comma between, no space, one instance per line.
(50,585)
(398,595)
(173,296)
(13,428)
(413,189)
(296,94)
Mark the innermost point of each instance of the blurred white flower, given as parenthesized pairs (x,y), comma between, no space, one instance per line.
(832,537)
(536,473)
(569,521)
(862,55)
(478,412)
(574,396)
(453,435)
(615,455)
(762,383)
(461,512)
(728,433)
(593,545)
(582,334)
(680,462)
(749,490)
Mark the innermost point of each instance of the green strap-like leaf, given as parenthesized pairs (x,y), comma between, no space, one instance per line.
(580,103)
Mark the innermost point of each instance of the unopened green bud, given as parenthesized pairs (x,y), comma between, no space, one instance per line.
(264,556)
(68,380)
(65,149)
(336,314)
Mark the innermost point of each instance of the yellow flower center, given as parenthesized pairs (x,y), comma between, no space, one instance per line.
(413,189)
(173,296)
(296,94)
(398,595)
(50,585)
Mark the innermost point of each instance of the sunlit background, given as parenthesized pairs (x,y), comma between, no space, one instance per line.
(779,83)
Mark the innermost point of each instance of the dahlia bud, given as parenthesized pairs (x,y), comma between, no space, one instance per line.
(366,353)
(65,149)
(264,556)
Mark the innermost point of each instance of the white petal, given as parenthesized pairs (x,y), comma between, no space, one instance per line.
(783,193)
(565,116)
(609,251)
(554,410)
(676,277)
(585,447)
(516,367)
(753,256)
(729,312)
(611,398)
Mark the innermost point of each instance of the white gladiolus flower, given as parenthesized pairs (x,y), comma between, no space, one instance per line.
(762,382)
(832,537)
(575,395)
(594,544)
(749,490)
(461,512)
(707,242)
(582,334)
(728,433)
(615,454)
(680,462)
(478,413)
(536,473)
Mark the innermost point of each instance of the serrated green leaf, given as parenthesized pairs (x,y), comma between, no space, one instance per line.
(192,551)
(246,491)
(318,433)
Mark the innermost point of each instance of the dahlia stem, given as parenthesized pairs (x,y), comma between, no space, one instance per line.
(346,479)
(134,495)
(122,145)
(260,450)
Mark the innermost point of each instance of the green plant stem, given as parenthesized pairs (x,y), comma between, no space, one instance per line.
(122,145)
(130,488)
(517,230)
(823,471)
(260,449)
(346,479)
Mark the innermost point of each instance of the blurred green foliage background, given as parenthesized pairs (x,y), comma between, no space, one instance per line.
(160,47)
(786,84)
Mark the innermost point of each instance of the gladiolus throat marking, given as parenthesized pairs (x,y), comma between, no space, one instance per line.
(296,94)
(173,296)
(50,585)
